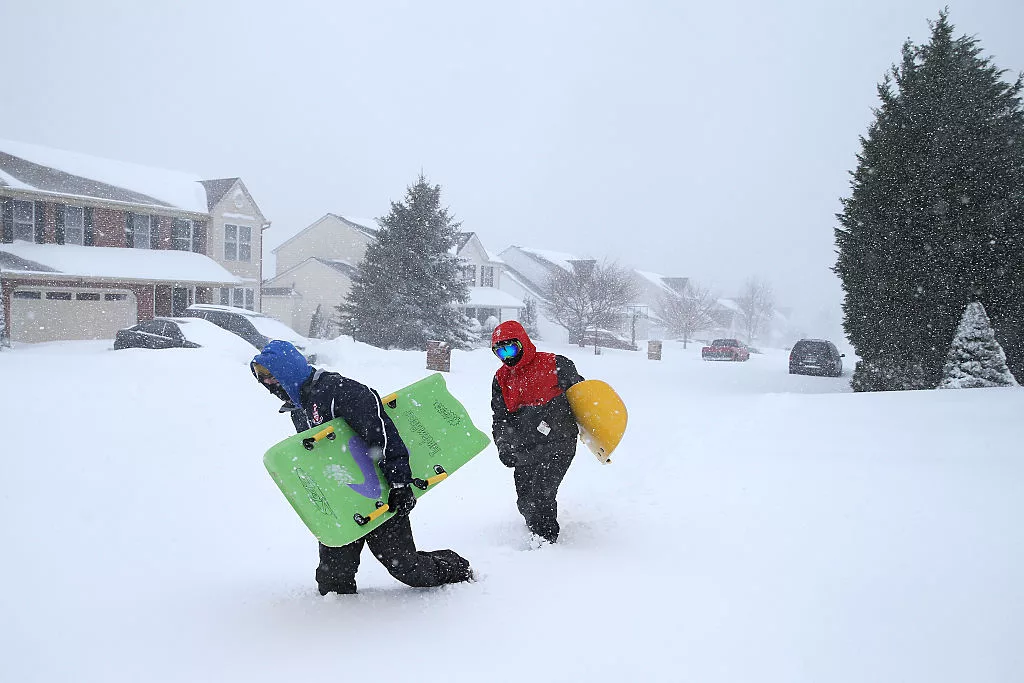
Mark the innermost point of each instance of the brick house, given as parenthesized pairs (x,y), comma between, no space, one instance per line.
(89,245)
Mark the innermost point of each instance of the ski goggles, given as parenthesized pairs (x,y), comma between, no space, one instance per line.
(507,349)
(260,372)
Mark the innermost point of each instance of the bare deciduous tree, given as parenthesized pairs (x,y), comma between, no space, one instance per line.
(593,295)
(757,304)
(686,313)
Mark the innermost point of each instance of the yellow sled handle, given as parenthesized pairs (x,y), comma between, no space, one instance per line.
(421,484)
(424,484)
(363,521)
(325,433)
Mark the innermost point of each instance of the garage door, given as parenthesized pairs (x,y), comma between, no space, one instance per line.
(51,314)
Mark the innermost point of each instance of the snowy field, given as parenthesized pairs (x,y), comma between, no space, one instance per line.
(754,526)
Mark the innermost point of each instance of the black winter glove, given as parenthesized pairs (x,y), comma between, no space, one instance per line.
(401,500)
(507,458)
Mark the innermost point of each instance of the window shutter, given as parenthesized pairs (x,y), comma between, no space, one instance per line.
(59,208)
(7,218)
(40,222)
(129,230)
(154,232)
(87,226)
(199,237)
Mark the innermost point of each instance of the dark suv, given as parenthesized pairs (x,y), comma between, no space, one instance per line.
(816,357)
(255,328)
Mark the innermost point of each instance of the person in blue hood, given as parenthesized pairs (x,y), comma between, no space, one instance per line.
(315,396)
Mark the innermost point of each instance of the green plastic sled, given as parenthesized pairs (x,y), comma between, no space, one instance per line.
(327,475)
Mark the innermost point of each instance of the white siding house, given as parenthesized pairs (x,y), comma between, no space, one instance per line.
(315,269)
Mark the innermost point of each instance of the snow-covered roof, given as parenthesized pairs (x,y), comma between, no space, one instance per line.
(169,188)
(656,280)
(7,180)
(523,281)
(558,258)
(730,304)
(489,297)
(369,225)
(115,263)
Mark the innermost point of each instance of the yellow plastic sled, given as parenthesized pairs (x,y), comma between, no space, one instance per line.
(601,415)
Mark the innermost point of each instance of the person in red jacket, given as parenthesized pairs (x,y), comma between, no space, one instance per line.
(533,427)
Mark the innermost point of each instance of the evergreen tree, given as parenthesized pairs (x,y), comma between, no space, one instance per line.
(975,358)
(530,318)
(319,326)
(936,214)
(404,291)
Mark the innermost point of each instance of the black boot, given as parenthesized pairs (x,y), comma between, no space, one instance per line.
(341,588)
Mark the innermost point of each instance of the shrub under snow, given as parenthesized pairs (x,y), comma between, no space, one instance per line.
(975,358)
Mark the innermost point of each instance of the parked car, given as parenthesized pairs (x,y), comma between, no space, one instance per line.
(605,339)
(725,349)
(177,333)
(253,327)
(816,357)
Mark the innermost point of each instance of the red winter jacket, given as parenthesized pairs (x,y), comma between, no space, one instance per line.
(528,398)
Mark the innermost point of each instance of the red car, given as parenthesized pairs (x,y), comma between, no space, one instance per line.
(725,349)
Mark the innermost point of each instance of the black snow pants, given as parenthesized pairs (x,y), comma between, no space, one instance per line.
(538,474)
(391,543)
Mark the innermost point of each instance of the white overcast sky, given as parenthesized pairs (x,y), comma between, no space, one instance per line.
(708,141)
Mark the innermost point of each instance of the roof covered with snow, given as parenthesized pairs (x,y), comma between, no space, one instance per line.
(370,226)
(44,169)
(489,297)
(343,267)
(730,304)
(113,263)
(216,189)
(656,280)
(558,258)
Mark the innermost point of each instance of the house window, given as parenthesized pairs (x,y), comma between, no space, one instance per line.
(24,221)
(181,299)
(242,297)
(59,296)
(469,275)
(182,231)
(237,242)
(486,276)
(115,297)
(88,296)
(74,225)
(27,295)
(141,233)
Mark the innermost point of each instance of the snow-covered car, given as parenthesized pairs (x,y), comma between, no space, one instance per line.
(178,333)
(605,339)
(816,357)
(253,327)
(725,349)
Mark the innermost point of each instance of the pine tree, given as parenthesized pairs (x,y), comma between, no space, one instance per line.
(404,291)
(936,214)
(319,326)
(975,358)
(530,318)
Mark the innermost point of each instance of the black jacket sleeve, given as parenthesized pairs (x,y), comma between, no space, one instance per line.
(501,428)
(566,371)
(361,408)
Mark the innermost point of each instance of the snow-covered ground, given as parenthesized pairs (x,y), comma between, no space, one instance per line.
(754,526)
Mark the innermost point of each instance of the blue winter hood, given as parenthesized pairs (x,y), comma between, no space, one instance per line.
(287,365)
